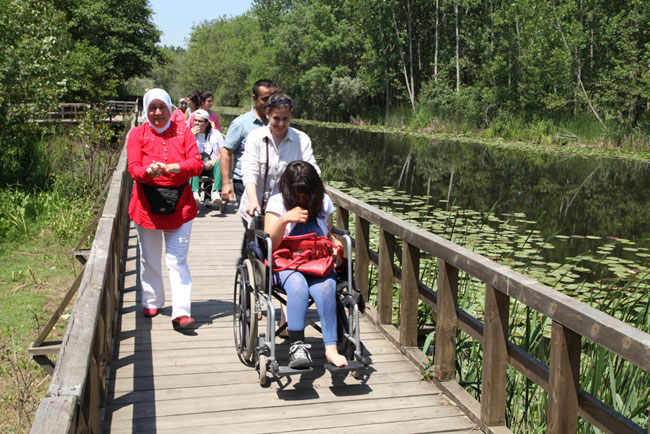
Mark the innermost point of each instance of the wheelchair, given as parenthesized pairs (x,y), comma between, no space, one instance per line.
(206,182)
(253,297)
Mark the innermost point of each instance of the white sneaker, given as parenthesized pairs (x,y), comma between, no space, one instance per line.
(216,198)
(299,357)
(197,198)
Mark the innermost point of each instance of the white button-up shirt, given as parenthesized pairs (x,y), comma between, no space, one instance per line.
(296,145)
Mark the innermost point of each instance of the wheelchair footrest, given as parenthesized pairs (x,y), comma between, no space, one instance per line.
(285,370)
(353,365)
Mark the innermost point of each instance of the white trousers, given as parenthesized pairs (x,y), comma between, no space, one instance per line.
(177,245)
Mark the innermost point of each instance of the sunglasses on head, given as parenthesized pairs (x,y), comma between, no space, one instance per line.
(280,101)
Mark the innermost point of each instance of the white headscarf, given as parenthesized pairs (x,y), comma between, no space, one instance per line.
(163,96)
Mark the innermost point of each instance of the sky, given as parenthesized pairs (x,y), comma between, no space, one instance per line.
(175,18)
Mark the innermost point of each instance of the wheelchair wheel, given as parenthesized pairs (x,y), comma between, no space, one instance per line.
(263,364)
(244,316)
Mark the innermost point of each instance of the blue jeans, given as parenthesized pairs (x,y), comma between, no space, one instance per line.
(322,289)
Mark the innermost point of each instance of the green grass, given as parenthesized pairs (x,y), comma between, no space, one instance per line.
(34,275)
(40,223)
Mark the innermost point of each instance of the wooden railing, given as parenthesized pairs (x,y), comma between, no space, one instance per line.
(74,112)
(124,108)
(77,390)
(571,321)
(68,112)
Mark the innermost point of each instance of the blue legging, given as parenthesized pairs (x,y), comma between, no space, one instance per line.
(322,289)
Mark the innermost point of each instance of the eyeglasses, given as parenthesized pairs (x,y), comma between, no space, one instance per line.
(280,101)
(199,120)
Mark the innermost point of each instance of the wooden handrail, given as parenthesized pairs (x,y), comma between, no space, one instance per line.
(571,321)
(77,390)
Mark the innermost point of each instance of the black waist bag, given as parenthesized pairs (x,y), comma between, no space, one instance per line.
(163,200)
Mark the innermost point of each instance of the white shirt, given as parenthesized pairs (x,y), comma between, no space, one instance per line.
(296,145)
(211,144)
(276,205)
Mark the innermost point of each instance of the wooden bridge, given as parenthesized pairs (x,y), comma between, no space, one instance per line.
(115,112)
(119,372)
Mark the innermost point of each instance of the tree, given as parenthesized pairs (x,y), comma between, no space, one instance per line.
(226,56)
(113,40)
(31,81)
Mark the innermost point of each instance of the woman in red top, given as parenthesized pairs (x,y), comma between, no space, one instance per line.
(162,157)
(179,114)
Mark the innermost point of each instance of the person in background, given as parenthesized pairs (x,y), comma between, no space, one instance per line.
(302,207)
(235,143)
(162,157)
(193,102)
(209,140)
(179,114)
(206,99)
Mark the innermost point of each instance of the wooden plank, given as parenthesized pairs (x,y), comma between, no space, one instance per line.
(58,312)
(408,325)
(74,358)
(45,349)
(495,358)
(385,277)
(342,218)
(347,409)
(446,322)
(564,376)
(362,262)
(55,416)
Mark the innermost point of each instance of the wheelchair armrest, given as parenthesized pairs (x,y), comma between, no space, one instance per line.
(340,231)
(259,233)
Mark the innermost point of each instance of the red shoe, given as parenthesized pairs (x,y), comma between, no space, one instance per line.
(183,322)
(150,312)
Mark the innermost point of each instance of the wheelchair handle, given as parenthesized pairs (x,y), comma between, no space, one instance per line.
(258,220)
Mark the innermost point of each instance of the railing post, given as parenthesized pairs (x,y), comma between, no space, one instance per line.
(385,277)
(564,373)
(342,218)
(409,296)
(446,322)
(495,357)
(361,256)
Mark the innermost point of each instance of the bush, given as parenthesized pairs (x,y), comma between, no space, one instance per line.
(345,96)
(464,106)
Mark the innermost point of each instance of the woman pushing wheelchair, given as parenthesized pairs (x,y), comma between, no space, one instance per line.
(302,207)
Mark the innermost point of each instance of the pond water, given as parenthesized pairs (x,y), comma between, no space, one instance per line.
(511,205)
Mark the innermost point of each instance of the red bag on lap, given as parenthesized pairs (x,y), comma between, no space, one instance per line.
(308,253)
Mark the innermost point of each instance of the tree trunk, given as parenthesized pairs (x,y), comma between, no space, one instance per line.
(457,49)
(582,86)
(409,86)
(435,52)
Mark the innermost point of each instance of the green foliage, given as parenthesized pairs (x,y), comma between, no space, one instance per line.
(113,39)
(468,64)
(31,46)
(225,56)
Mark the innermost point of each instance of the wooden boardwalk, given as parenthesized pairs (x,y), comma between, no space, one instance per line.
(162,381)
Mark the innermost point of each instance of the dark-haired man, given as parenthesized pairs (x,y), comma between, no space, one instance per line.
(233,148)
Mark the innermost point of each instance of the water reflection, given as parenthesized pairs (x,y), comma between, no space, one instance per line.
(565,195)
(588,200)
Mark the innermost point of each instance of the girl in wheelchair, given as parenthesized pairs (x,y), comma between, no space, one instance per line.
(209,141)
(302,207)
